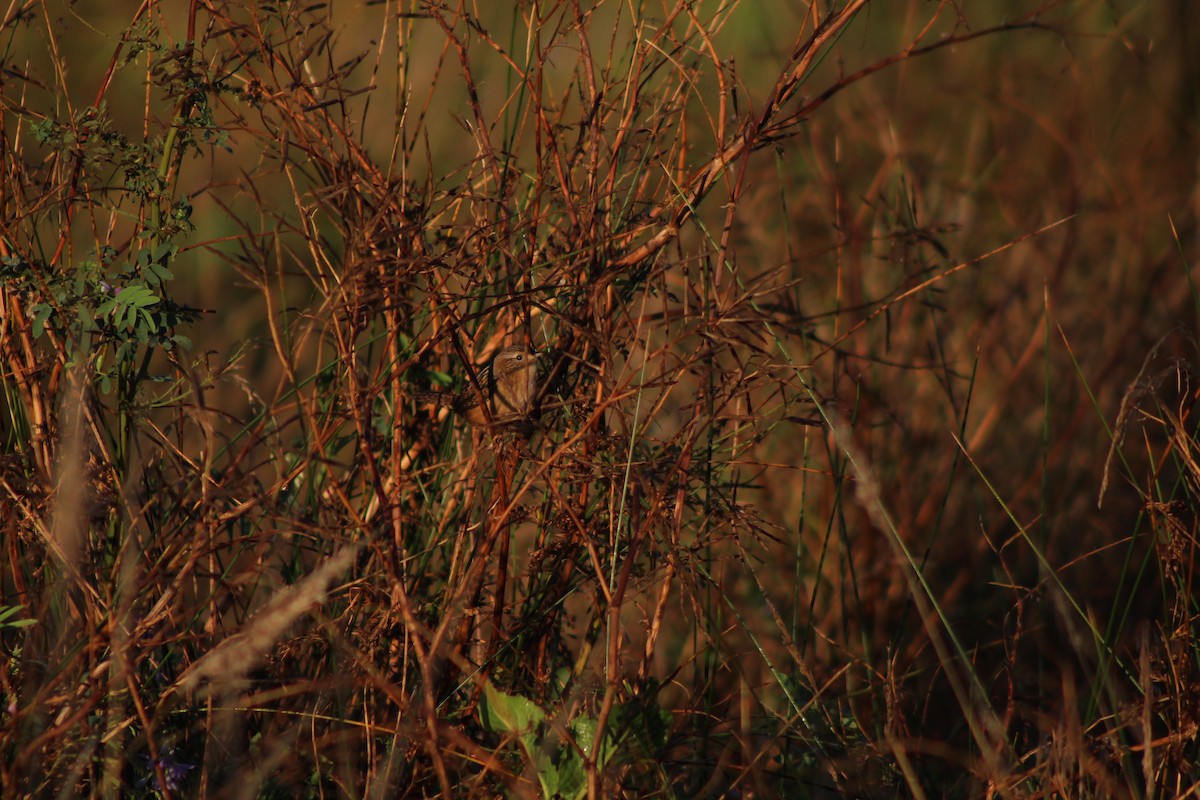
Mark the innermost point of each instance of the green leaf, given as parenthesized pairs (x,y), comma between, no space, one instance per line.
(162,253)
(44,131)
(506,713)
(41,313)
(8,611)
(572,774)
(137,296)
(548,777)
(157,273)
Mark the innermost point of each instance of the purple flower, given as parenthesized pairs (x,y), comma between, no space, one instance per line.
(173,771)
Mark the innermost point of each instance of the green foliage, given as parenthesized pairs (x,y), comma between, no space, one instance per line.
(635,732)
(6,621)
(109,311)
(105,313)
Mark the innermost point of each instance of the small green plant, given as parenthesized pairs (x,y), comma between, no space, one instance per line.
(562,756)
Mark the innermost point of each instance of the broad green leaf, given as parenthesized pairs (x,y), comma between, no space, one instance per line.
(41,313)
(508,713)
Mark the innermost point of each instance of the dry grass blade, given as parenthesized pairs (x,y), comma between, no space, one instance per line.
(225,667)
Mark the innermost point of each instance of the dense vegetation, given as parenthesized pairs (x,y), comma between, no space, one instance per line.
(863,462)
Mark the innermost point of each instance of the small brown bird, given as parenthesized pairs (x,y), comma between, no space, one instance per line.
(509,382)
